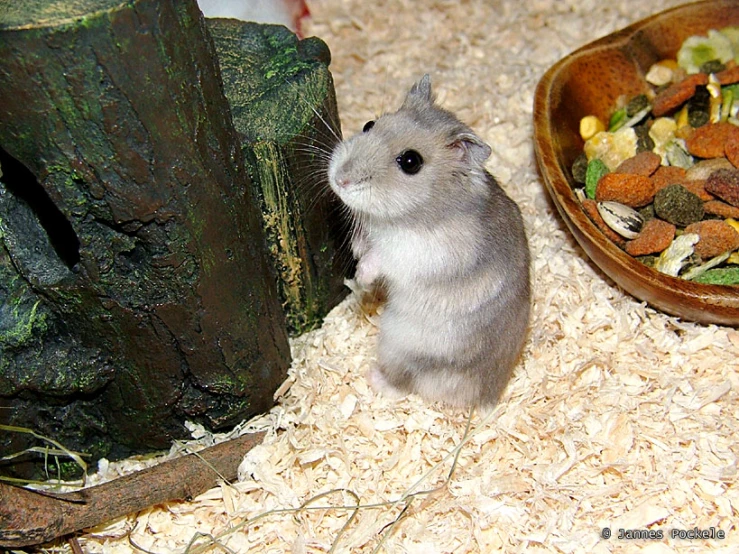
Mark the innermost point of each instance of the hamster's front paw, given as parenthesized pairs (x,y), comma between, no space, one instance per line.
(368,269)
(381,385)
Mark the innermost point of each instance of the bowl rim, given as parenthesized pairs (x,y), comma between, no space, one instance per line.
(720,303)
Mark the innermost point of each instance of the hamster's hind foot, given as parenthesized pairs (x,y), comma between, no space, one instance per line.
(381,385)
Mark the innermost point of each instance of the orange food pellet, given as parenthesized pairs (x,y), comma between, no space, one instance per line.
(709,141)
(716,237)
(716,207)
(676,95)
(699,189)
(632,190)
(668,175)
(644,163)
(732,150)
(654,237)
(728,76)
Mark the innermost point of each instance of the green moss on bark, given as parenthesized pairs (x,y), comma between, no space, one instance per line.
(283,106)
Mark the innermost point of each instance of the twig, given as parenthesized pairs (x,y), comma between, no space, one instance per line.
(31,517)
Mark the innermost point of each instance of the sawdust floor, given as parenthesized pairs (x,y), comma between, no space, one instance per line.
(618,416)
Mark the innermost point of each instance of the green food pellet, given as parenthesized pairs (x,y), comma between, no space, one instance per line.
(596,170)
(617,120)
(712,66)
(698,119)
(648,261)
(636,104)
(580,168)
(643,140)
(719,276)
(677,205)
(699,107)
(647,212)
(733,89)
(727,99)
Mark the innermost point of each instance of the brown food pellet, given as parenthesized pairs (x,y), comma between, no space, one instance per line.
(677,94)
(668,175)
(724,183)
(590,207)
(655,236)
(644,163)
(728,76)
(709,141)
(716,207)
(716,237)
(632,190)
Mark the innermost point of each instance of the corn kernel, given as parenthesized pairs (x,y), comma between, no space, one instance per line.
(661,73)
(682,117)
(590,126)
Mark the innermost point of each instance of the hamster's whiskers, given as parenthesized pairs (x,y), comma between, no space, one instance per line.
(326,124)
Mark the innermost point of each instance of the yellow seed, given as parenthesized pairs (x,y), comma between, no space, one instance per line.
(734,223)
(682,117)
(715,109)
(714,89)
(672,64)
(661,73)
(590,126)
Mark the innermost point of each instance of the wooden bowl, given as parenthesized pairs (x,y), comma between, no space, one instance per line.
(589,81)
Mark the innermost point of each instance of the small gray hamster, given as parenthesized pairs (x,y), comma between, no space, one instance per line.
(437,231)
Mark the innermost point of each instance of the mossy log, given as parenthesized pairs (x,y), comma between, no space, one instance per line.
(284,109)
(135,288)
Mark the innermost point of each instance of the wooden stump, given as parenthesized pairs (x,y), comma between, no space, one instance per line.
(135,291)
(284,109)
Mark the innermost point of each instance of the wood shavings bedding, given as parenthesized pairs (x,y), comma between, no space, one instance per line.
(617,416)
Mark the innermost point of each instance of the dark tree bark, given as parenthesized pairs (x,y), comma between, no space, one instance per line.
(135,291)
(284,109)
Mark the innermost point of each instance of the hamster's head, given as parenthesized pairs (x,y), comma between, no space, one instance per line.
(414,161)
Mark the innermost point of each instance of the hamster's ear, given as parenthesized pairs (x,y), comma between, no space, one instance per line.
(420,92)
(470,148)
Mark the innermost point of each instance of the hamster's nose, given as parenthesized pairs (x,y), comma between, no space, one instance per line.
(343,182)
(341,178)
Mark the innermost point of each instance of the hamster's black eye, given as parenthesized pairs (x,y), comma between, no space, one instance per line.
(368,126)
(410,162)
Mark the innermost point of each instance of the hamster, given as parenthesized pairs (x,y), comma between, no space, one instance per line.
(435,229)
